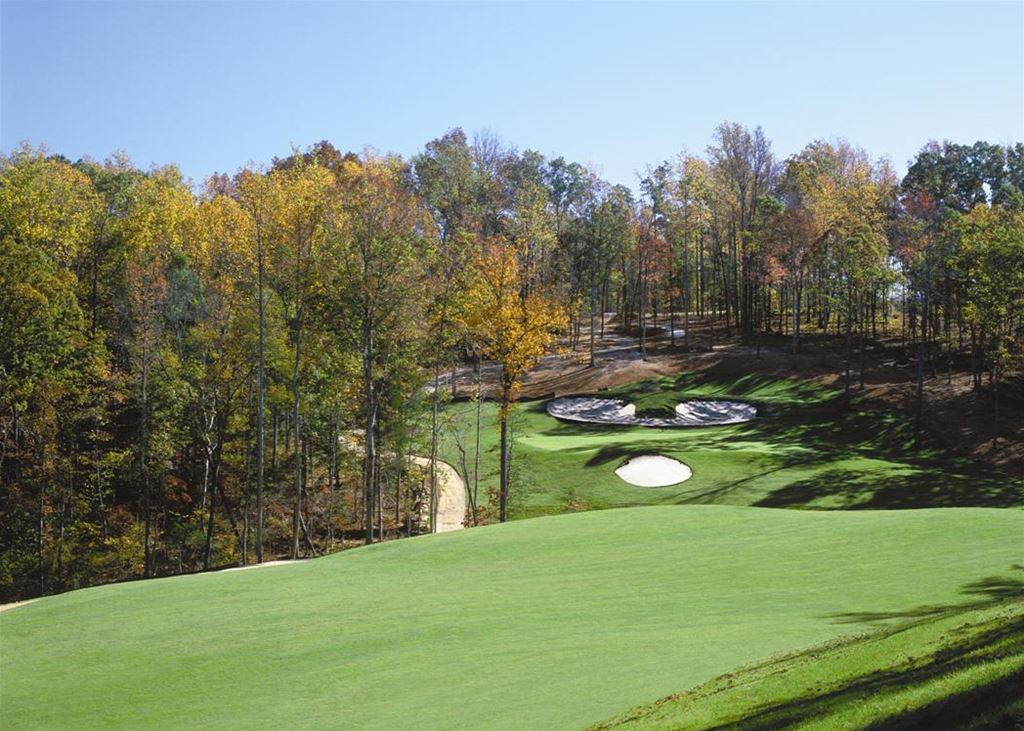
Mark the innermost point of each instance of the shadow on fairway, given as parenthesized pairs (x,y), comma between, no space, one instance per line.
(933,487)
(981,594)
(969,647)
(951,711)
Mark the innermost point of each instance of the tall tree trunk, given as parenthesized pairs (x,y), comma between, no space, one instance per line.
(919,406)
(333,479)
(297,508)
(848,346)
(593,307)
(41,525)
(143,443)
(503,416)
(797,295)
(370,451)
(434,407)
(215,457)
(379,494)
(860,345)
(686,291)
(476,465)
(261,390)
(247,483)
(996,373)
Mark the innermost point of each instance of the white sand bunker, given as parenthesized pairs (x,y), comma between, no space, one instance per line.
(716,412)
(593,410)
(654,470)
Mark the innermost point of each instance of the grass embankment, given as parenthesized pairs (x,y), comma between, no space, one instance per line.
(552,623)
(952,667)
(808,448)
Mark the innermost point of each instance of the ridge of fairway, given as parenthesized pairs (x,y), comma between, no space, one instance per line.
(550,623)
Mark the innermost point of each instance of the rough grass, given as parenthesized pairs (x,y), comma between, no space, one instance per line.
(958,667)
(808,448)
(551,623)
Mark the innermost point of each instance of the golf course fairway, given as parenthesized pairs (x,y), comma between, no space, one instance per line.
(557,622)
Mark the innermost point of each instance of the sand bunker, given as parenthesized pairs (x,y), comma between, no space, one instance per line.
(716,412)
(654,470)
(591,410)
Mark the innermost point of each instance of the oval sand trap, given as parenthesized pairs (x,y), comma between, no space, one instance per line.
(704,412)
(654,470)
(715,412)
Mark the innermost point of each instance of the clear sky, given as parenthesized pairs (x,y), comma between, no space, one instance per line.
(211,86)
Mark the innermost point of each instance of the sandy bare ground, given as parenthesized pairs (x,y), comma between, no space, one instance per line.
(12,605)
(254,566)
(451,499)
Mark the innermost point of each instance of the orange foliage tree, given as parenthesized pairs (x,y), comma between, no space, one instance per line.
(511,324)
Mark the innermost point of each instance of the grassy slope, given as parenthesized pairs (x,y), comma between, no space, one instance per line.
(805,449)
(552,623)
(957,667)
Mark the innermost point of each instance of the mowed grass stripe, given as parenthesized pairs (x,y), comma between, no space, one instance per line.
(549,623)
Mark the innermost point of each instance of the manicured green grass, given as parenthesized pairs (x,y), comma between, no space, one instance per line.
(956,667)
(808,448)
(550,623)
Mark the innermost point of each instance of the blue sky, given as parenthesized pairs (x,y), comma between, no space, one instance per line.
(211,86)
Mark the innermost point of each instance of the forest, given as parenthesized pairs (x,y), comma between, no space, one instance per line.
(202,375)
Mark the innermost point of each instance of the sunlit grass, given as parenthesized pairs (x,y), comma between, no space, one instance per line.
(550,623)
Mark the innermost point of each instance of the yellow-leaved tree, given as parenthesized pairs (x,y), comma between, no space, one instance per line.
(511,324)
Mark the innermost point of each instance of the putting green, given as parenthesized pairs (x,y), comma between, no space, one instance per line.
(807,448)
(550,623)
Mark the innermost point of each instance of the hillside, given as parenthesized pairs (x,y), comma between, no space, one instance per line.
(551,623)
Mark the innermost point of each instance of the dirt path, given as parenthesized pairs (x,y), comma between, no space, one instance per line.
(451,499)
(254,566)
(12,605)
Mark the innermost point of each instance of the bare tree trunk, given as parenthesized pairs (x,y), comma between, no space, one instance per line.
(797,293)
(433,449)
(476,466)
(503,507)
(398,502)
(333,479)
(41,527)
(214,482)
(593,307)
(604,303)
(247,480)
(671,320)
(274,440)
(919,407)
(297,507)
(143,443)
(860,346)
(642,311)
(849,325)
(995,393)
(380,503)
(370,455)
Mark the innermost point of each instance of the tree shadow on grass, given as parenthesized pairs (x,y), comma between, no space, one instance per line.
(972,646)
(948,711)
(812,434)
(925,688)
(705,385)
(922,474)
(897,489)
(980,594)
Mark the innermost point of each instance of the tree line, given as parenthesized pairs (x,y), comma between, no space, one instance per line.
(197,377)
